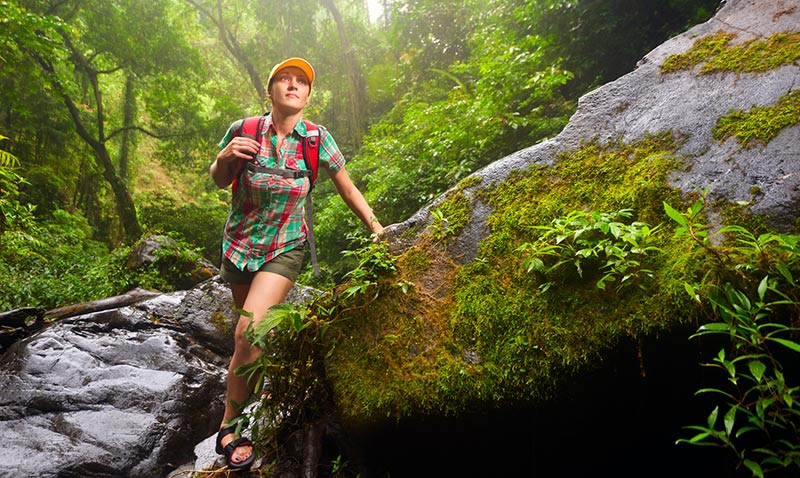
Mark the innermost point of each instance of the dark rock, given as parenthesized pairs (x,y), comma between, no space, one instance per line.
(19,323)
(182,269)
(115,393)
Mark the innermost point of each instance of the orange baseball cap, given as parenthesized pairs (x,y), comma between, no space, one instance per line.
(304,65)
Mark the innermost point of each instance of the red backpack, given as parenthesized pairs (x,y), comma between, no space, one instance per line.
(251,127)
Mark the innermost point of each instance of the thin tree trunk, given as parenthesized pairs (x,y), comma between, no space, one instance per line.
(356,112)
(128,298)
(129,115)
(232,45)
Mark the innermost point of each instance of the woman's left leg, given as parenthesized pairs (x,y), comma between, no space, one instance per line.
(266,289)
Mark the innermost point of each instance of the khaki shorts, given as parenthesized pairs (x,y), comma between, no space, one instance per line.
(288,264)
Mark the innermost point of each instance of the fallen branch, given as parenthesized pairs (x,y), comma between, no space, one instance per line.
(128,298)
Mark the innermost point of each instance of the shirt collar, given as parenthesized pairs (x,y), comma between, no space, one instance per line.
(299,128)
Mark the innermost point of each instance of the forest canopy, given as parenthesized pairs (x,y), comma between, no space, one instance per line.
(112,111)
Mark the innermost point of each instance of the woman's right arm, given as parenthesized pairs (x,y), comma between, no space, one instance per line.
(225,167)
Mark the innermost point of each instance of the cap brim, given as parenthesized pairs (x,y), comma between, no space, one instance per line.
(304,66)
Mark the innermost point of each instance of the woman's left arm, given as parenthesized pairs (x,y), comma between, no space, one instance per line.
(355,200)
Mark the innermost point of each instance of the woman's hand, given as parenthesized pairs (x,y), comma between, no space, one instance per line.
(378,234)
(226,166)
(238,148)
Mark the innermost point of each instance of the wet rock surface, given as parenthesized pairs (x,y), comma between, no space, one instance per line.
(121,387)
(120,392)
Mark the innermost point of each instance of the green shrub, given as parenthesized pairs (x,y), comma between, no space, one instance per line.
(752,299)
(198,223)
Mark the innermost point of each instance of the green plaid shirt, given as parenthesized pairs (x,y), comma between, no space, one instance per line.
(266,216)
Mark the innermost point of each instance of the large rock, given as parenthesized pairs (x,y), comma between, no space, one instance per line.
(119,387)
(120,392)
(178,267)
(618,417)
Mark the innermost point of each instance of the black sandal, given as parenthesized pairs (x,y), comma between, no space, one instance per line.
(228,449)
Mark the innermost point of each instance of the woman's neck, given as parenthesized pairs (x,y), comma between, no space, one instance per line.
(283,123)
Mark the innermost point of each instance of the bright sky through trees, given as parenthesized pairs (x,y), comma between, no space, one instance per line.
(375,10)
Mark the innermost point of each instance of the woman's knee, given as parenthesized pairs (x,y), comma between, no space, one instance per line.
(241,336)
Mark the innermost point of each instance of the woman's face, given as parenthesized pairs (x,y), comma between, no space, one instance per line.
(290,90)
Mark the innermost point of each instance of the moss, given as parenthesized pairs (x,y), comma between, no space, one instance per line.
(739,213)
(703,49)
(222,322)
(451,216)
(717,54)
(381,367)
(483,334)
(530,341)
(469,181)
(759,124)
(455,212)
(414,261)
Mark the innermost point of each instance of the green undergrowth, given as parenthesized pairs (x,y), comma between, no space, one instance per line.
(435,337)
(759,124)
(717,53)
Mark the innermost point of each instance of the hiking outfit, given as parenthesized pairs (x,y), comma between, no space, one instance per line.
(267,217)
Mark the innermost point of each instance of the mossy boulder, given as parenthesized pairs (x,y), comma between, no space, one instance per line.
(476,331)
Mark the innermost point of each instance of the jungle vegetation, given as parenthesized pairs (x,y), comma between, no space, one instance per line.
(111,111)
(110,115)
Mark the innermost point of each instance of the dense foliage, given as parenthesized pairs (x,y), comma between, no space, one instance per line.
(113,109)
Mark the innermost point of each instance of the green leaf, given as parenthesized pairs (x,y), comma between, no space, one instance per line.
(615,229)
(297,322)
(675,215)
(754,467)
(715,327)
(712,417)
(786,343)
(730,419)
(273,318)
(692,291)
(786,273)
(699,437)
(762,287)
(757,369)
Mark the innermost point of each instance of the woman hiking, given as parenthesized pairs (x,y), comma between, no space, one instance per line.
(264,238)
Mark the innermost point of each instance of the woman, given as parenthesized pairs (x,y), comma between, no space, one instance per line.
(264,237)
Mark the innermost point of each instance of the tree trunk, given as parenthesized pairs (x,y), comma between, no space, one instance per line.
(356,108)
(232,45)
(129,115)
(128,298)
(124,202)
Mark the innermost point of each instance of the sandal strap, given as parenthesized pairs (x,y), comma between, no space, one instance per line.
(241,441)
(229,430)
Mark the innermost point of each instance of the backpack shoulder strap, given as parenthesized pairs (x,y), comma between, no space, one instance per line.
(311,157)
(250,127)
(311,149)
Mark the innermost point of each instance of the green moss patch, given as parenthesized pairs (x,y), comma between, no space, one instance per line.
(760,124)
(388,353)
(455,212)
(717,54)
(450,218)
(484,334)
(547,336)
